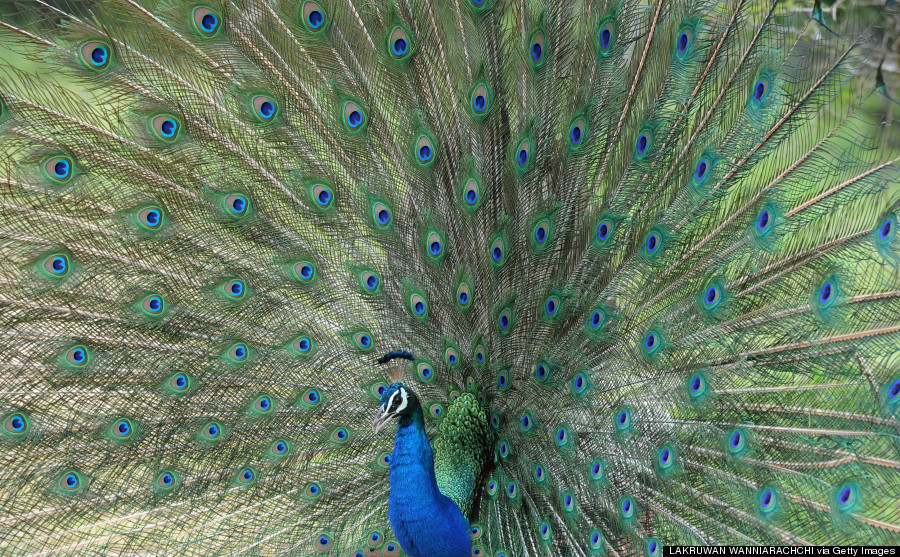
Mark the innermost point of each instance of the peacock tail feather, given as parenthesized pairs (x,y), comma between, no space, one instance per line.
(645,256)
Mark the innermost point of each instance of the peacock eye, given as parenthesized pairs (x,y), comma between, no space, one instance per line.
(58,169)
(536,50)
(97,55)
(314,17)
(166,127)
(264,108)
(354,117)
(206,21)
(424,150)
(399,44)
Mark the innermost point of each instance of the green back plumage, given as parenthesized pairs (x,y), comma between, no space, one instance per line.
(679,323)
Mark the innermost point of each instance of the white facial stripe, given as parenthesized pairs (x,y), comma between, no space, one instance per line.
(402,392)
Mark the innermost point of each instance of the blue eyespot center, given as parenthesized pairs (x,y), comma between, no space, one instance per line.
(400,47)
(424,153)
(372,282)
(266,110)
(763,222)
(702,166)
(364,341)
(605,38)
(463,298)
(497,253)
(504,321)
(354,119)
(471,197)
(451,358)
(642,144)
(435,248)
(167,479)
(551,307)
(575,135)
(99,55)
(315,19)
(885,230)
(384,217)
(522,157)
(894,390)
(540,234)
(623,417)
(682,43)
(123,427)
(767,498)
(239,205)
(306,271)
(79,355)
(652,242)
(181,381)
(759,91)
(479,103)
(168,128)
(18,424)
(537,52)
(237,288)
(825,293)
(602,231)
(71,480)
(59,264)
(61,169)
(324,197)
(152,217)
(240,352)
(213,430)
(736,439)
(419,307)
(209,22)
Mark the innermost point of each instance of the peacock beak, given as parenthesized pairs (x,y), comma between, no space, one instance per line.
(382,418)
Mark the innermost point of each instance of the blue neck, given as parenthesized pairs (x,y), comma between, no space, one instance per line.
(425,521)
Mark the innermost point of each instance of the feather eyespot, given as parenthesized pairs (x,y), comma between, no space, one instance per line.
(77,356)
(166,480)
(264,108)
(604,231)
(527,422)
(480,100)
(303,345)
(643,144)
(502,380)
(653,243)
(523,154)
(597,319)
(512,490)
(150,218)
(239,352)
(391,549)
(712,297)
(207,22)
(665,458)
(451,357)
(763,222)
(505,321)
(463,297)
(436,410)
(768,499)
(653,547)
(304,271)
(122,429)
(827,294)
(596,539)
(568,501)
(684,42)
(57,265)
(313,491)
(70,481)
(314,17)
(312,397)
(234,289)
(263,405)
(536,50)
(696,385)
(399,45)
(577,132)
(579,383)
(382,216)
(384,460)
(596,468)
(551,306)
(97,55)
(887,230)
(847,496)
(737,441)
(16,425)
(606,37)
(623,419)
(322,196)
(701,171)
(280,448)
(760,90)
(479,355)
(363,341)
(491,487)
(435,246)
(166,127)
(179,382)
(59,169)
(246,476)
(370,282)
(237,205)
(211,431)
(651,342)
(498,252)
(471,193)
(424,150)
(893,392)
(354,117)
(626,507)
(562,436)
(545,531)
(324,542)
(540,475)
(425,371)
(542,371)
(340,435)
(541,232)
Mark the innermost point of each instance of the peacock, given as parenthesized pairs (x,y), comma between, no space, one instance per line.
(441,278)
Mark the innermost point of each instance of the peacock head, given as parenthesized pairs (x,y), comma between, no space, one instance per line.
(396,401)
